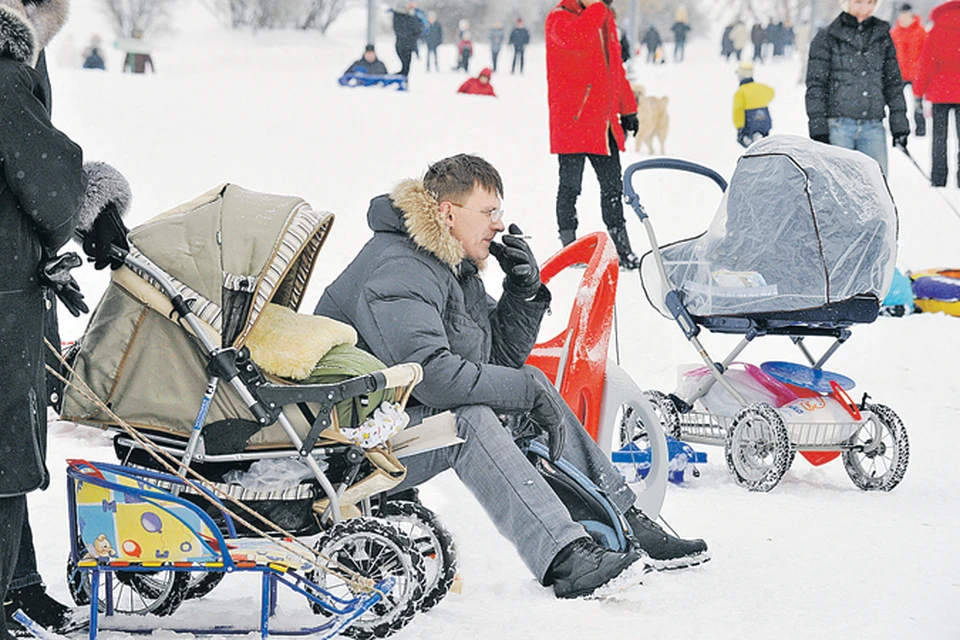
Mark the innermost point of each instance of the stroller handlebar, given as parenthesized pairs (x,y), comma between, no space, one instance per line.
(633,199)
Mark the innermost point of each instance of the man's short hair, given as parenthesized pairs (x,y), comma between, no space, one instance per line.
(457,176)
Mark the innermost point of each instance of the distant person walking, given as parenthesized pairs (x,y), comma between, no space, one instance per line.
(852,78)
(938,80)
(652,41)
(407,28)
(726,44)
(739,36)
(434,38)
(758,36)
(497,37)
(92,56)
(138,56)
(519,39)
(908,37)
(680,28)
(464,51)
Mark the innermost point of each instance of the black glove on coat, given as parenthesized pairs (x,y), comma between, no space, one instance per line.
(108,231)
(630,123)
(517,261)
(900,141)
(55,274)
(547,414)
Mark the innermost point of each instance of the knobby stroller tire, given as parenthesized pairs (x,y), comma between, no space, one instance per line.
(355,544)
(432,541)
(667,412)
(757,447)
(883,447)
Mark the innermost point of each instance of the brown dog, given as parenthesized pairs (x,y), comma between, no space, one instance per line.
(653,117)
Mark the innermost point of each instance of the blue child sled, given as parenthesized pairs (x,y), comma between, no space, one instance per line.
(366,80)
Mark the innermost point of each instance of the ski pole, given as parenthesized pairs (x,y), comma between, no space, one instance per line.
(923,173)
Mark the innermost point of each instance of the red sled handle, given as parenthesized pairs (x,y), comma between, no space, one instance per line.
(840,394)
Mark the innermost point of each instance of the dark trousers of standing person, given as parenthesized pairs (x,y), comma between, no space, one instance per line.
(517,60)
(432,52)
(494,53)
(405,55)
(758,52)
(678,50)
(13,513)
(609,175)
(941,122)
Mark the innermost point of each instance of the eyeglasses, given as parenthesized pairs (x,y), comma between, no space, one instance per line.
(496,215)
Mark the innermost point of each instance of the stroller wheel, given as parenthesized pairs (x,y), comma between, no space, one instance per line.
(432,541)
(757,447)
(372,549)
(200,584)
(667,412)
(876,456)
(158,593)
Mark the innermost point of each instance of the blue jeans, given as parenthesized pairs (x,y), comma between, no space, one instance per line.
(866,136)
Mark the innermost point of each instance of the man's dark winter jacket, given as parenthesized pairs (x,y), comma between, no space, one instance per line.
(407,28)
(41,187)
(375,68)
(519,37)
(853,73)
(413,296)
(434,35)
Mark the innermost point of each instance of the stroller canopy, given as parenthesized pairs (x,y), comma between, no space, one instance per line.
(802,225)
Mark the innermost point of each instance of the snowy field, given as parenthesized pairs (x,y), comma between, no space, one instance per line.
(816,557)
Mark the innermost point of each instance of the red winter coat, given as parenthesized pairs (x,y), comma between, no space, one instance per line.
(938,72)
(474,86)
(909,43)
(587,88)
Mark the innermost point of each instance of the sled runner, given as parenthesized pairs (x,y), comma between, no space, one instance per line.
(803,246)
(196,356)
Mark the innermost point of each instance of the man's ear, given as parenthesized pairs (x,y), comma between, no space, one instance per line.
(446,213)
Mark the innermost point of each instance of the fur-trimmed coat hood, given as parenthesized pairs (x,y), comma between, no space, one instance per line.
(412,210)
(26,29)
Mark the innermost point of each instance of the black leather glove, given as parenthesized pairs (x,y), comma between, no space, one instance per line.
(55,274)
(630,123)
(824,138)
(900,141)
(108,230)
(547,414)
(517,261)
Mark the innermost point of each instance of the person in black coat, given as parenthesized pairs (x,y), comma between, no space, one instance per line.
(369,63)
(433,37)
(519,39)
(758,36)
(407,27)
(46,192)
(652,41)
(496,42)
(852,78)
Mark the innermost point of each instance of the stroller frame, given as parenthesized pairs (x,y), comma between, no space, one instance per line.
(758,446)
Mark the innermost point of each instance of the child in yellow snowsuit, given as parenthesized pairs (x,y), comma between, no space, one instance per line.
(751,116)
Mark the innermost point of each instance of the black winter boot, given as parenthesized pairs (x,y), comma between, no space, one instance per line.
(42,609)
(583,565)
(628,259)
(665,551)
(568,236)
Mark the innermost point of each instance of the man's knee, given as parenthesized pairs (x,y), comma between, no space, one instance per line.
(479,419)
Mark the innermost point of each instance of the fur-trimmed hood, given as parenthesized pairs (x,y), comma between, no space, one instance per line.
(26,29)
(410,209)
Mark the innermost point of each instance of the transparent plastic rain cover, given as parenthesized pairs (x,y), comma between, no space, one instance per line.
(801,225)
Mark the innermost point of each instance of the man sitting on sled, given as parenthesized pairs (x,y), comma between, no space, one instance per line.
(414,294)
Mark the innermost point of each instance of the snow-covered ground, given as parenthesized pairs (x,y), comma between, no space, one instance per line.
(816,557)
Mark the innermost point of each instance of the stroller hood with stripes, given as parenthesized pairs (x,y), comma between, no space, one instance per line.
(230,252)
(802,225)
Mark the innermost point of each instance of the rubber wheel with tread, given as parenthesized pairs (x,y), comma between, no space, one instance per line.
(879,451)
(158,593)
(757,447)
(434,543)
(373,549)
(667,412)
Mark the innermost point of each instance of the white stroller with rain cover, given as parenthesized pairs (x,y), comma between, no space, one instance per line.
(803,245)
(196,357)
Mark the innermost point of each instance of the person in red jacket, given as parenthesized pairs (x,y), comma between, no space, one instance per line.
(591,104)
(938,80)
(480,85)
(908,37)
